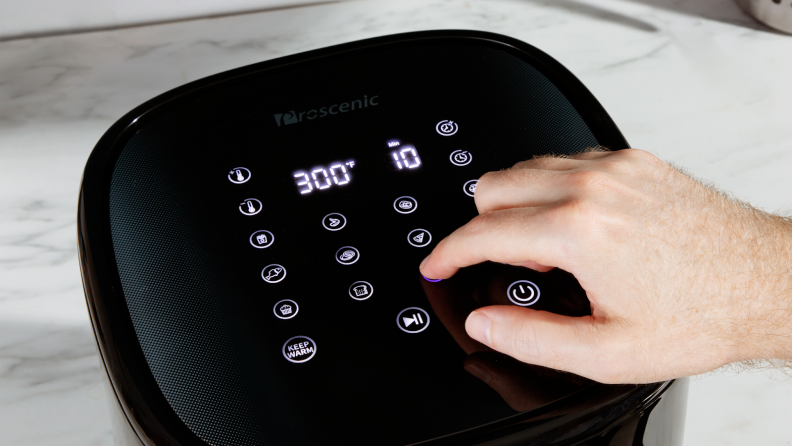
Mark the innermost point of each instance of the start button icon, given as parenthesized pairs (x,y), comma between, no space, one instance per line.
(299,349)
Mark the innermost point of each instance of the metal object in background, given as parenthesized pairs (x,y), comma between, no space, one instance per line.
(776,14)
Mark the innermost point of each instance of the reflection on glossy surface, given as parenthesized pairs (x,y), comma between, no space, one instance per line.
(522,386)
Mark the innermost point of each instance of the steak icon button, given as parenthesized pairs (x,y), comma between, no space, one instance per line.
(405,205)
(299,349)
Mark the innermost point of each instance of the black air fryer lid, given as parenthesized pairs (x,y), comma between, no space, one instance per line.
(250,246)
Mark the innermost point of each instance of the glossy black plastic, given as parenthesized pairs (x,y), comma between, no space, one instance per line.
(524,405)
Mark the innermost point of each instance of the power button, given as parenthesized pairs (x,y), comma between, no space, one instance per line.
(523,293)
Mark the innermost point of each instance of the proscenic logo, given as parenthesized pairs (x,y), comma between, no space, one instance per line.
(294,117)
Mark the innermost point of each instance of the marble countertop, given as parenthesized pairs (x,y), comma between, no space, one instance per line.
(698,83)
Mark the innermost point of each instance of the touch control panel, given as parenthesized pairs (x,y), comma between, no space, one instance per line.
(266,230)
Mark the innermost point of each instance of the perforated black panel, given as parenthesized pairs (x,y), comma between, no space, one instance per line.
(202,314)
(176,298)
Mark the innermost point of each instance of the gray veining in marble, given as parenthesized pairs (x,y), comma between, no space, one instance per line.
(698,83)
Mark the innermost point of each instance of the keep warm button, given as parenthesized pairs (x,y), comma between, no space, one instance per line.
(299,349)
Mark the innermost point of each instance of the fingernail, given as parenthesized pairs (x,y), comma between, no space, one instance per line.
(479,372)
(423,262)
(478,327)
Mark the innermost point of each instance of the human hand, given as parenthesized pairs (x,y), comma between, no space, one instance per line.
(681,278)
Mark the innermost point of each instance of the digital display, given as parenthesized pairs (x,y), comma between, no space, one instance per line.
(401,157)
(406,157)
(321,177)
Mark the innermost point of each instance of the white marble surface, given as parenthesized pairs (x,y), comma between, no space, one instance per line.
(696,82)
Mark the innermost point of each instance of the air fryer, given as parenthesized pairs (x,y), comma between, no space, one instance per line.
(250,246)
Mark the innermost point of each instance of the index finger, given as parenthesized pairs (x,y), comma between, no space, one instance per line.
(531,237)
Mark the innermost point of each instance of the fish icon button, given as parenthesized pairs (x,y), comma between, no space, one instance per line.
(334,222)
(273,273)
(347,255)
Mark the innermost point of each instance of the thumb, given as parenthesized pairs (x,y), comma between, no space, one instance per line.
(541,338)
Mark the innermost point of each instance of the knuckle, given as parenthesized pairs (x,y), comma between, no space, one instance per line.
(588,179)
(636,155)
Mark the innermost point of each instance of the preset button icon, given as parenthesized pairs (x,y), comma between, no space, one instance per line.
(405,205)
(412,320)
(523,293)
(347,255)
(334,222)
(273,273)
(262,239)
(361,290)
(299,349)
(419,238)
(285,309)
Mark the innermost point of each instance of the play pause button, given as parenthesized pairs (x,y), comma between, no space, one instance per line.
(412,320)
